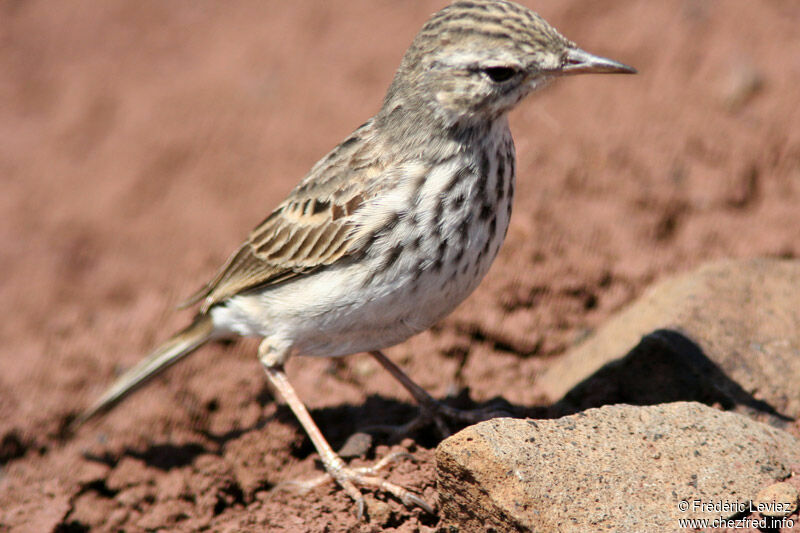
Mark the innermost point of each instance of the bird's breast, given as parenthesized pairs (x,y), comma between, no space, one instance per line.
(442,243)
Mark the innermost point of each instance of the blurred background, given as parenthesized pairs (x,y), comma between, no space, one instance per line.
(141,141)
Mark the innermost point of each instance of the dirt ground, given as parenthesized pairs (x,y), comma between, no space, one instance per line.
(140,142)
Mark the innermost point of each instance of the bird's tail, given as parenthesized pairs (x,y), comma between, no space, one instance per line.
(176,348)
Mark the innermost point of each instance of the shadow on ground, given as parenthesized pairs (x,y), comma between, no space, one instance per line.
(666,366)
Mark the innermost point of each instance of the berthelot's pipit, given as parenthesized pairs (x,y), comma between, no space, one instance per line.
(392,229)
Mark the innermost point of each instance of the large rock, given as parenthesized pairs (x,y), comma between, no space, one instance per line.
(617,468)
(727,333)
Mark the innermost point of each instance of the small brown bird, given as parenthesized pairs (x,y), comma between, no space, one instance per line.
(392,229)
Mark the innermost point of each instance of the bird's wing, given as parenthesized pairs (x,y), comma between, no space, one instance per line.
(314,227)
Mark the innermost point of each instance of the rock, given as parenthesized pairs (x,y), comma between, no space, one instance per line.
(777,500)
(742,83)
(380,513)
(617,468)
(356,445)
(727,333)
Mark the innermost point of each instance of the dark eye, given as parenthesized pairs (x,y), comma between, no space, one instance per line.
(500,74)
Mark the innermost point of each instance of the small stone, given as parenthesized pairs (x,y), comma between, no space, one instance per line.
(128,472)
(742,83)
(90,471)
(380,513)
(117,518)
(357,445)
(777,500)
(364,368)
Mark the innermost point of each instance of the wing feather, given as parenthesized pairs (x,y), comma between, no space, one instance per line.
(313,228)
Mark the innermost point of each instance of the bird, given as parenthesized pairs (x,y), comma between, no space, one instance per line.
(394,227)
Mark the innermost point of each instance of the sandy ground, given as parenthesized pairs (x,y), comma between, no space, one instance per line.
(140,142)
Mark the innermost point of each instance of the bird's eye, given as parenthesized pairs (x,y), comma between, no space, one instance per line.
(500,74)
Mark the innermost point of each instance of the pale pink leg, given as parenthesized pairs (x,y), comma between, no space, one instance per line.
(347,478)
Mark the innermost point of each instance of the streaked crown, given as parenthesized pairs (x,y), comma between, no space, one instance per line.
(475,59)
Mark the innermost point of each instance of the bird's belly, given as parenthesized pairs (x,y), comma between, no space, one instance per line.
(378,311)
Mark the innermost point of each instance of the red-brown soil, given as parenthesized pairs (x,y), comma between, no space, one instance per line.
(140,142)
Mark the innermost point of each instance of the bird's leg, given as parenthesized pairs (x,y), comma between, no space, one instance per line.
(432,409)
(348,478)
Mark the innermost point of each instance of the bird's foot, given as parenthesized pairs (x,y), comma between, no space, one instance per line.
(431,410)
(350,479)
(443,417)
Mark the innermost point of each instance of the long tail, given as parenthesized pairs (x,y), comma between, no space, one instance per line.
(180,345)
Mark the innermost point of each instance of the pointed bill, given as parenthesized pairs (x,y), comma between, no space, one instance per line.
(582,62)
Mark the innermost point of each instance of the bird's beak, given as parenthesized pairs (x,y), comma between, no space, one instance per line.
(579,61)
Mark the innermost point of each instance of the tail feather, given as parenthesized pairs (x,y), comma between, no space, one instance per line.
(179,346)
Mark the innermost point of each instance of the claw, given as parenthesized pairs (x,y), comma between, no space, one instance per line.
(412,499)
(364,476)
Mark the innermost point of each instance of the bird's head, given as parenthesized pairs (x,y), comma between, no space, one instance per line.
(476,59)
